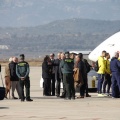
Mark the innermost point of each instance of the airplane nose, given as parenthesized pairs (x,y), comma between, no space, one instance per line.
(92,57)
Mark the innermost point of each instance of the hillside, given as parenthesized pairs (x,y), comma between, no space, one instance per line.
(62,35)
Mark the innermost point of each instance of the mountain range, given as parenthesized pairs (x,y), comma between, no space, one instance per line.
(60,35)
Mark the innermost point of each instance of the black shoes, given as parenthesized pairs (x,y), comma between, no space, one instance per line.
(22,100)
(14,98)
(88,95)
(29,100)
(53,95)
(58,96)
(62,96)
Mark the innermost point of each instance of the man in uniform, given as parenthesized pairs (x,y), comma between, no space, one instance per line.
(22,71)
(68,65)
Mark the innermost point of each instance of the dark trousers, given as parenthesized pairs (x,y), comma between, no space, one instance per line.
(58,81)
(86,83)
(25,83)
(84,87)
(64,91)
(53,84)
(82,90)
(47,86)
(100,82)
(115,84)
(107,81)
(69,84)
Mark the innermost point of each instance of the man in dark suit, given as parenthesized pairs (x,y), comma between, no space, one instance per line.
(57,74)
(46,75)
(53,73)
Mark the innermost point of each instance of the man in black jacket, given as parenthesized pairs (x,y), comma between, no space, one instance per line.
(14,78)
(88,68)
(46,75)
(53,73)
(57,74)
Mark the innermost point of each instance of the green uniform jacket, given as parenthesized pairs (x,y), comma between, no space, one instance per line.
(67,65)
(22,69)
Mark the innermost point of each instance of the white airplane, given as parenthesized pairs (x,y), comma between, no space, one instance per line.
(111,45)
(83,52)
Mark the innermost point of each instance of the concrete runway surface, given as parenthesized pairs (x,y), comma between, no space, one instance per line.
(52,108)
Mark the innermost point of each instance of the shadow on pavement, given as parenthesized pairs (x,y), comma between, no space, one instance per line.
(46,97)
(4,107)
(54,97)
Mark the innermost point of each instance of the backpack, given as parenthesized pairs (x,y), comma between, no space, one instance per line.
(88,67)
(96,67)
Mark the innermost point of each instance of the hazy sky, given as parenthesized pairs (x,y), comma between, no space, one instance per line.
(18,13)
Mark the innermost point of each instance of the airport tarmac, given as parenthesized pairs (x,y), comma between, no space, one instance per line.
(52,108)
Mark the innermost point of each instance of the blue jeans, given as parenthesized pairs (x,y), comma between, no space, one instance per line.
(115,84)
(100,82)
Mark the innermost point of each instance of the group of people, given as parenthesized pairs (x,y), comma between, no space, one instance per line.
(16,77)
(71,69)
(68,68)
(109,75)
